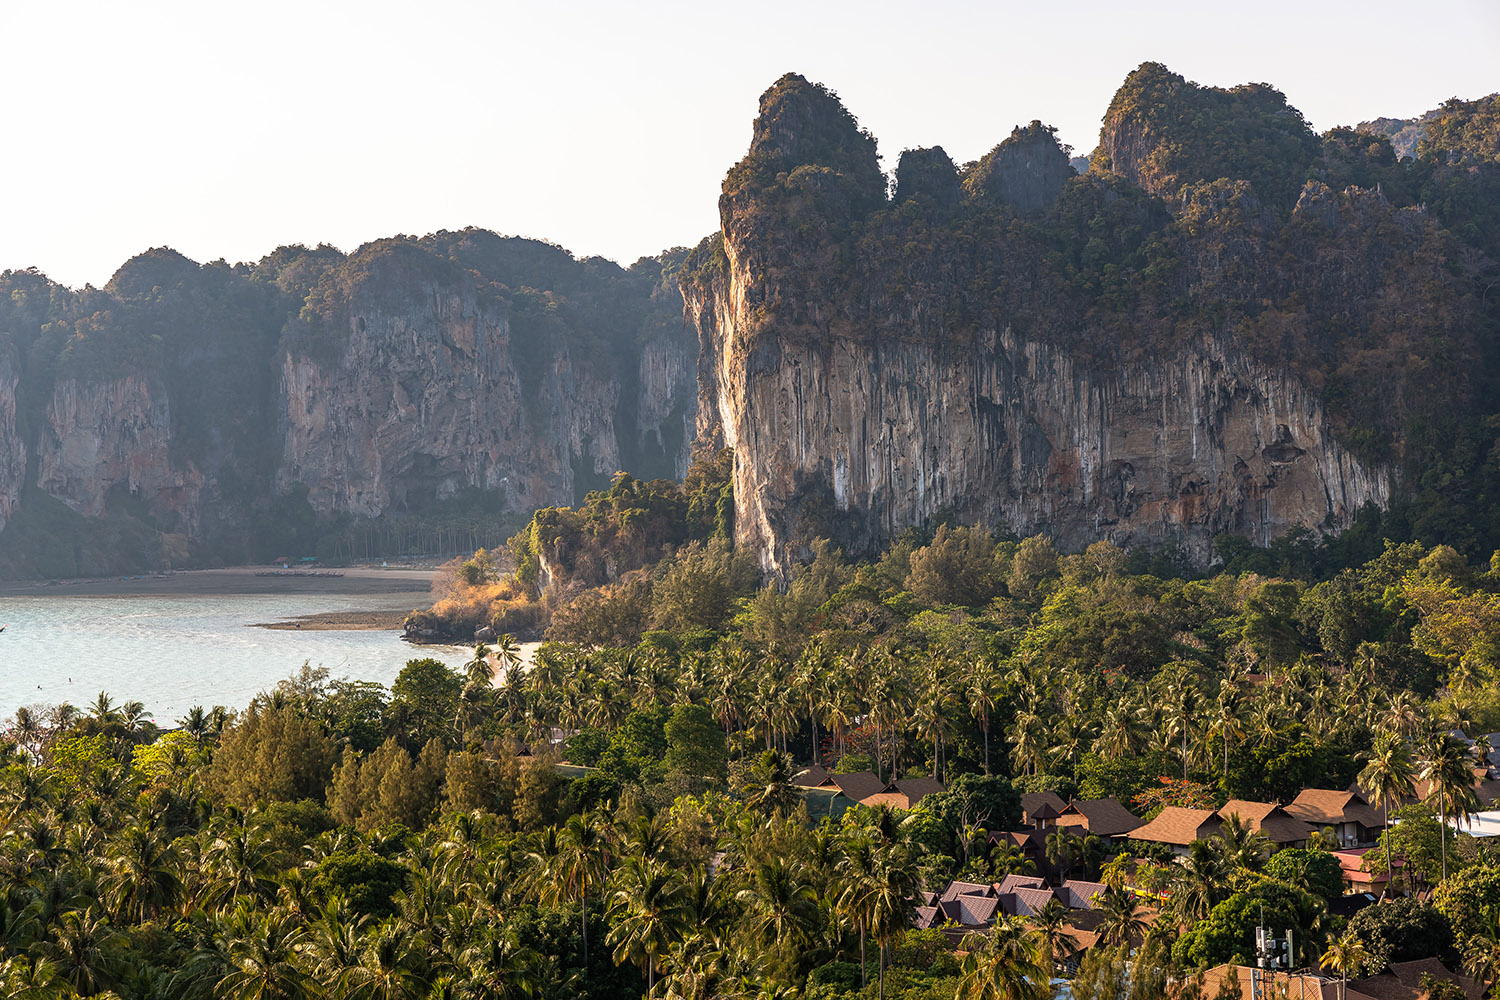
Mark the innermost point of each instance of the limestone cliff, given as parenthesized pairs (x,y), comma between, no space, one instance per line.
(190,414)
(875,367)
(434,391)
(12,444)
(102,435)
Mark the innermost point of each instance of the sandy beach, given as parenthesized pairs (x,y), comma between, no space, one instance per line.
(361,580)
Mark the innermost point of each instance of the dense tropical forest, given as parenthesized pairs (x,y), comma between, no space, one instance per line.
(628,813)
(335,838)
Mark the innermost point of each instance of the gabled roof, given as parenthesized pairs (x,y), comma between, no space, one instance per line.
(858,786)
(927,916)
(1078,894)
(1329,807)
(1402,981)
(1176,825)
(971,910)
(1031,901)
(956,889)
(1270,819)
(916,789)
(1032,801)
(812,777)
(1011,883)
(1106,817)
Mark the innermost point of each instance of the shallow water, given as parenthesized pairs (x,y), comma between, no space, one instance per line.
(172,653)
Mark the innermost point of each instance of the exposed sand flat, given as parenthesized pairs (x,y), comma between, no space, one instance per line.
(361,580)
(344,621)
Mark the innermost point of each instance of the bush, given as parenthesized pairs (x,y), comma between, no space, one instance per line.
(1403,930)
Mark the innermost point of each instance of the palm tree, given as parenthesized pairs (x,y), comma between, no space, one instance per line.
(772,791)
(79,950)
(1388,778)
(508,651)
(1028,737)
(648,913)
(1482,954)
(1122,924)
(388,969)
(1446,765)
(1344,956)
(141,875)
(500,967)
(579,864)
(1051,923)
(1226,720)
(888,900)
(1240,847)
(782,906)
(984,694)
(1005,964)
(261,955)
(1120,734)
(1182,707)
(1200,881)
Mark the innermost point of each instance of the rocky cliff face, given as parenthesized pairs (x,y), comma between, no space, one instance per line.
(870,378)
(12,444)
(196,406)
(436,392)
(103,436)
(857,442)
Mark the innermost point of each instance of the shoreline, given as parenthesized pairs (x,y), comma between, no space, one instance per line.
(230,581)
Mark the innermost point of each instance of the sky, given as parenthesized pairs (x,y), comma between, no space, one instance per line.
(226,130)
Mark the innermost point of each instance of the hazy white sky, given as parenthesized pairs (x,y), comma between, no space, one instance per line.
(225,130)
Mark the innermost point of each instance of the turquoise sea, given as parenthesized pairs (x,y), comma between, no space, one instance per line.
(172,653)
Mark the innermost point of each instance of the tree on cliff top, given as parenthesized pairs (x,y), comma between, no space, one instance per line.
(1165,132)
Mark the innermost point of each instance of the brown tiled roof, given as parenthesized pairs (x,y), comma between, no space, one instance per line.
(1175,825)
(1403,981)
(1031,801)
(812,777)
(1328,807)
(1410,973)
(1031,901)
(927,916)
(893,799)
(1011,883)
(858,786)
(1106,817)
(1078,894)
(916,789)
(1021,838)
(971,910)
(1270,819)
(956,889)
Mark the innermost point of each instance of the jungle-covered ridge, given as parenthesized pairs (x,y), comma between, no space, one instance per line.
(174,374)
(1204,212)
(620,818)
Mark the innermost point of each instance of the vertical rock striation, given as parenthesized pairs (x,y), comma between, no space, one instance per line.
(865,391)
(103,436)
(12,443)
